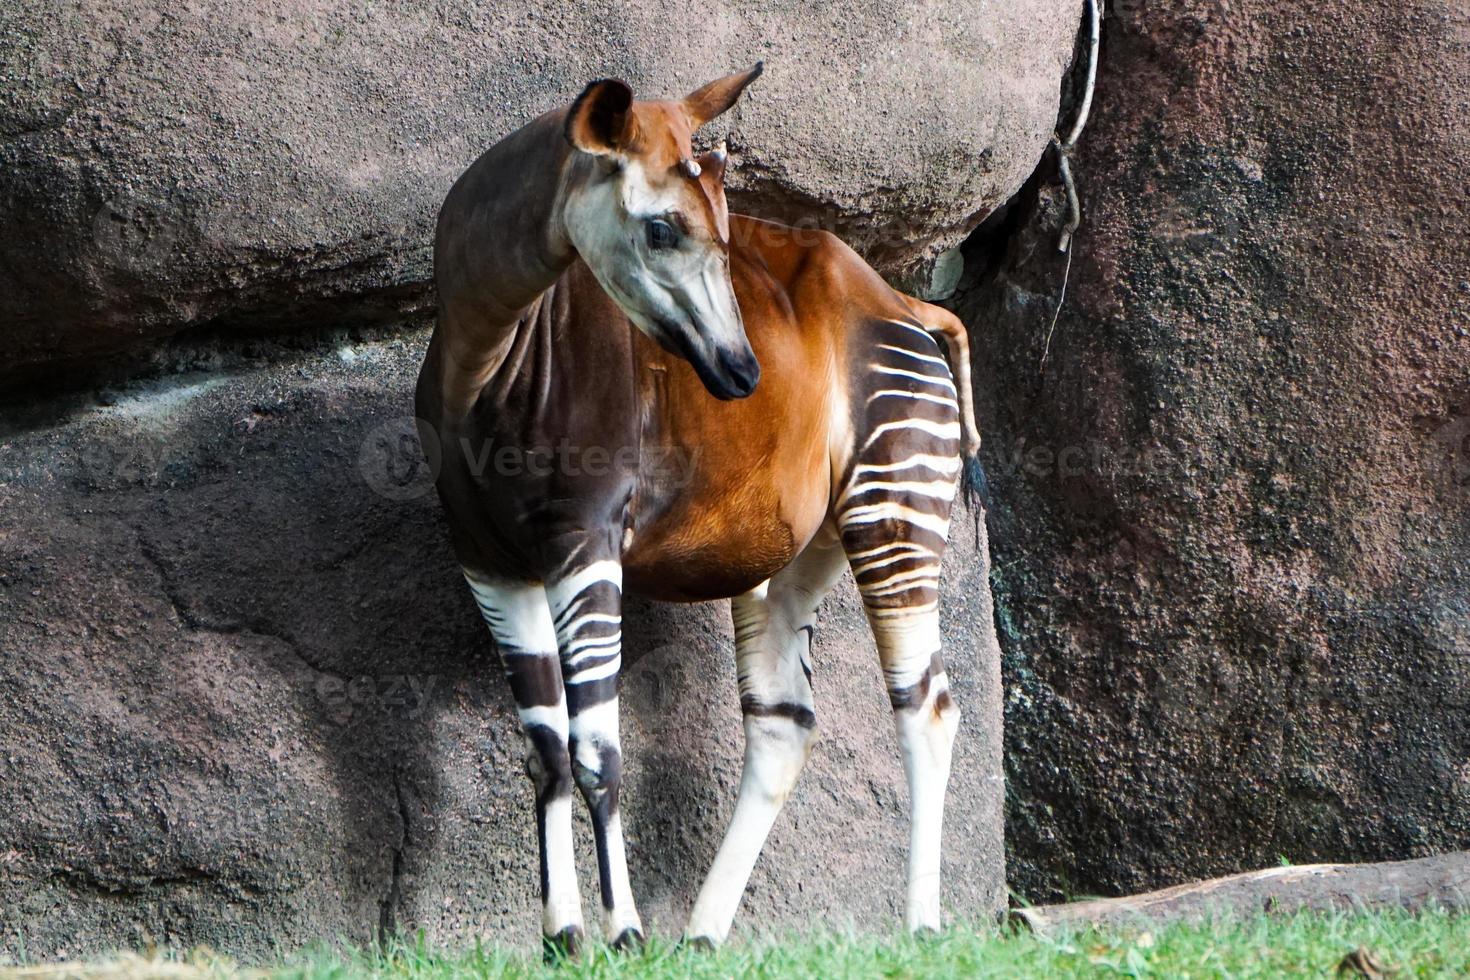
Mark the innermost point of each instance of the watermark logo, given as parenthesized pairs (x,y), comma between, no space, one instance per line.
(1075,461)
(134,241)
(402,458)
(655,683)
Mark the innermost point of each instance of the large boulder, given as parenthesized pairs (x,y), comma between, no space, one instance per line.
(246,699)
(1231,517)
(253,166)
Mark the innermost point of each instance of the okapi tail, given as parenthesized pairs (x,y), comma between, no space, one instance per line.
(937,320)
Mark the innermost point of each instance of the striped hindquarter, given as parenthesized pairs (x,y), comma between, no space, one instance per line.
(893,511)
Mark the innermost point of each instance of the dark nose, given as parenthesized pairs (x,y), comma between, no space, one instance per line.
(743,370)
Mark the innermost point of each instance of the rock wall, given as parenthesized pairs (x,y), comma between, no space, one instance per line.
(168,165)
(244,698)
(1232,517)
(247,701)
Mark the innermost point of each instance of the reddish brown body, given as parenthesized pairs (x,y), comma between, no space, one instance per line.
(753,501)
(757,499)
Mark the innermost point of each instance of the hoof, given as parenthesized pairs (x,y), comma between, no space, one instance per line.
(565,945)
(926,934)
(700,944)
(630,940)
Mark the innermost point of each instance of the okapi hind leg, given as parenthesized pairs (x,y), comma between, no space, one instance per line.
(520,620)
(927,720)
(773,634)
(893,513)
(587,610)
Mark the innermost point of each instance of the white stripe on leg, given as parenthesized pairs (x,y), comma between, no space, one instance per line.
(775,749)
(926,745)
(519,618)
(773,628)
(586,607)
(927,719)
(562,909)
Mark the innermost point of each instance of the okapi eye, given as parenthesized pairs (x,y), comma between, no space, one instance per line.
(661,235)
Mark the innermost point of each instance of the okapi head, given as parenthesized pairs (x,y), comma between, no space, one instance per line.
(651,223)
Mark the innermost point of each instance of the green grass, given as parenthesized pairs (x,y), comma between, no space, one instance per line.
(1431,944)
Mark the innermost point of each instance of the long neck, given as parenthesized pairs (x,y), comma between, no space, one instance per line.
(501,243)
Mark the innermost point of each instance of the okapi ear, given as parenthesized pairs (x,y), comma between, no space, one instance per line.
(708,101)
(600,121)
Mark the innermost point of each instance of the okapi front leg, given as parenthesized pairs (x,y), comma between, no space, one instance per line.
(520,620)
(773,632)
(587,609)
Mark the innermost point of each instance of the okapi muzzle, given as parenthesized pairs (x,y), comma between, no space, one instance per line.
(652,224)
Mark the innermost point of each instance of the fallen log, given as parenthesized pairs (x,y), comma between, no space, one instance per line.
(1442,880)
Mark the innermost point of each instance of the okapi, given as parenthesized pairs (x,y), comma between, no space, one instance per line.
(588,222)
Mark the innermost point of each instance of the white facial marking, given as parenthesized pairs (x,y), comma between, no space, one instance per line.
(680,296)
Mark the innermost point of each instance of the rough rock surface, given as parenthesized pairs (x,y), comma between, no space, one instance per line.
(168,165)
(1232,521)
(246,700)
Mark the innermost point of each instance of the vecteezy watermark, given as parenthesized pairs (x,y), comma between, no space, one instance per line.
(1039,460)
(654,683)
(402,458)
(139,461)
(133,240)
(353,699)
